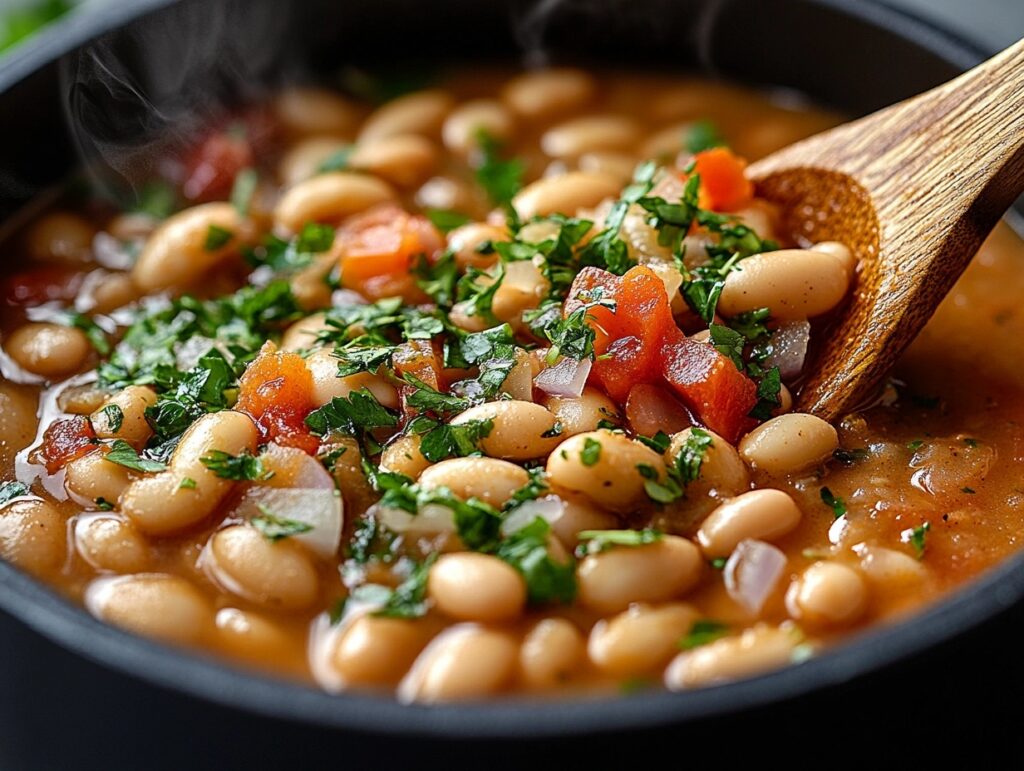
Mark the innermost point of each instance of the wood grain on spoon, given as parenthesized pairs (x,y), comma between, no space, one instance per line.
(913,189)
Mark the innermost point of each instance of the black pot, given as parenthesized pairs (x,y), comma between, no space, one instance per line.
(77,694)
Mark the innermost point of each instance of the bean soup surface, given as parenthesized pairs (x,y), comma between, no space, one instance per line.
(486,389)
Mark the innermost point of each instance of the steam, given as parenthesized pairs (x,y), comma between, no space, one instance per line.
(125,107)
(535,28)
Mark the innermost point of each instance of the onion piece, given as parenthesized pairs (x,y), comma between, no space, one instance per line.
(550,509)
(752,573)
(567,378)
(431,519)
(321,509)
(789,348)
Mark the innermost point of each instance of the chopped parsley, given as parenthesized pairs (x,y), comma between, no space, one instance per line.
(243,189)
(703,135)
(217,238)
(355,414)
(915,444)
(114,416)
(123,454)
(11,490)
(547,580)
(336,161)
(596,541)
(446,220)
(838,505)
(187,483)
(607,250)
(500,178)
(918,537)
(702,632)
(659,442)
(275,528)
(591,452)
(850,457)
(244,467)
(441,440)
(409,598)
(103,504)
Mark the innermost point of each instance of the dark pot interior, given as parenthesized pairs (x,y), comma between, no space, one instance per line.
(110,83)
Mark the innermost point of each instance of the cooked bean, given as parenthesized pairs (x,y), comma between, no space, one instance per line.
(450,194)
(471,244)
(157,503)
(130,404)
(476,587)
(522,289)
(550,653)
(618,165)
(546,93)
(463,662)
(667,142)
(306,110)
(176,254)
(492,481)
(403,456)
(329,197)
(49,350)
(404,160)
(789,444)
(349,475)
(62,236)
(889,569)
(91,477)
(639,639)
(828,593)
(421,112)
(785,401)
(757,649)
(722,473)
(33,535)
(304,159)
(591,133)
(462,129)
(565,193)
(760,514)
(841,252)
(301,336)
(520,431)
(110,543)
(519,382)
(112,291)
(578,513)
(278,575)
(378,651)
(251,636)
(615,477)
(156,605)
(583,413)
(610,580)
(327,385)
(795,284)
(18,420)
(310,286)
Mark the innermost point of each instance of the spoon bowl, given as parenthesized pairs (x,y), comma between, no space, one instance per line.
(912,190)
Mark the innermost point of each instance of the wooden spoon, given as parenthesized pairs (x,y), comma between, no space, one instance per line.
(913,190)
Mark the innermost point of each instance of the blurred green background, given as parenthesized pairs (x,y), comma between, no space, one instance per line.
(19,21)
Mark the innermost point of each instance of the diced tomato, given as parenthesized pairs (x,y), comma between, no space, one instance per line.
(41,285)
(211,169)
(651,408)
(276,391)
(639,343)
(378,248)
(723,180)
(710,385)
(66,440)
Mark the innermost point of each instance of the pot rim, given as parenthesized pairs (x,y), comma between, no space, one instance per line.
(215,680)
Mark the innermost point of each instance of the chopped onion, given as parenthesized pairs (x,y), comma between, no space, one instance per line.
(752,572)
(550,508)
(346,297)
(321,509)
(789,348)
(567,378)
(431,519)
(112,253)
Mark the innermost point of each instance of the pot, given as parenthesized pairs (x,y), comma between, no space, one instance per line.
(76,693)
